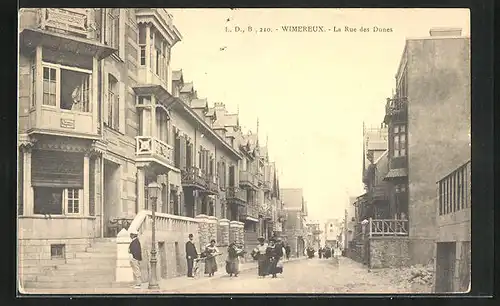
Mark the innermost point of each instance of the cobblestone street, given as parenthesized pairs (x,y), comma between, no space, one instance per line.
(304,276)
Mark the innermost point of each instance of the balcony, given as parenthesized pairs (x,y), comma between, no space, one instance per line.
(249,180)
(265,210)
(212,184)
(193,177)
(248,211)
(236,195)
(396,109)
(151,149)
(377,193)
(388,227)
(266,185)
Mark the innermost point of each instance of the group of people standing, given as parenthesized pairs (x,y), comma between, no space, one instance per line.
(325,252)
(270,256)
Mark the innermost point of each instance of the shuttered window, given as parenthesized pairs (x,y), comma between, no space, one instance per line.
(57,169)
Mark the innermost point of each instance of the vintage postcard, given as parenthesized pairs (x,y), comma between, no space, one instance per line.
(226,151)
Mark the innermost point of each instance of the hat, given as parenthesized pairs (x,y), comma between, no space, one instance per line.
(133,232)
(261,238)
(190,236)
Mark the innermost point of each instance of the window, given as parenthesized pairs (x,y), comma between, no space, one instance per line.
(112,37)
(57,251)
(142,44)
(399,136)
(162,125)
(49,86)
(400,188)
(57,201)
(113,118)
(66,88)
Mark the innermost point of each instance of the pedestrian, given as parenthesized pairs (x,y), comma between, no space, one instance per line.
(234,252)
(288,250)
(191,255)
(135,252)
(259,253)
(273,255)
(320,252)
(211,252)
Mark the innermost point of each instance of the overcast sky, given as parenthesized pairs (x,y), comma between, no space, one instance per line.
(310,91)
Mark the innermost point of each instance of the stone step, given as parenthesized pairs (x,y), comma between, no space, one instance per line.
(105,240)
(83,271)
(69,285)
(101,249)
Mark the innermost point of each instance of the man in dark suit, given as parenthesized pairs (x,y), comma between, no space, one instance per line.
(191,254)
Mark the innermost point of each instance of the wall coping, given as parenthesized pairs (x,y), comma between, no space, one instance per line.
(224,222)
(202,216)
(141,216)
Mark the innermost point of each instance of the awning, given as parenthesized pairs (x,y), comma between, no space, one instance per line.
(395,173)
(52,40)
(252,219)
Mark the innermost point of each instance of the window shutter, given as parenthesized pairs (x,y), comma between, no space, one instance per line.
(183,152)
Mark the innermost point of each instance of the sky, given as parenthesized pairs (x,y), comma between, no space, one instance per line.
(310,91)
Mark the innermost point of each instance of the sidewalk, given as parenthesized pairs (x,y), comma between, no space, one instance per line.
(177,283)
(166,285)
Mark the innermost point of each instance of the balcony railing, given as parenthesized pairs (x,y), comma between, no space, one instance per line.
(454,190)
(193,176)
(149,147)
(388,227)
(74,21)
(213,184)
(248,179)
(396,107)
(236,193)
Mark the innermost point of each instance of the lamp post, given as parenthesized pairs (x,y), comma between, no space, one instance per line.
(153,191)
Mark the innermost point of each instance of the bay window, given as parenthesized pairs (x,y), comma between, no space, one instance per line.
(112,37)
(142,44)
(162,125)
(67,88)
(399,144)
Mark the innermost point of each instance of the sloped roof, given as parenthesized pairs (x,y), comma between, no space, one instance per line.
(199,103)
(292,197)
(188,87)
(393,173)
(177,75)
(211,112)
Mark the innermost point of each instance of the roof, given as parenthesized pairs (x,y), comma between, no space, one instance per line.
(393,173)
(292,197)
(177,75)
(188,87)
(199,103)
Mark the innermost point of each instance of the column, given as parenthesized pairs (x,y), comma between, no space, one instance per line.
(233,231)
(148,57)
(224,232)
(140,188)
(86,194)
(27,188)
(93,100)
(39,85)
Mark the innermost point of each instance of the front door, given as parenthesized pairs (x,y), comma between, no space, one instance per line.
(112,204)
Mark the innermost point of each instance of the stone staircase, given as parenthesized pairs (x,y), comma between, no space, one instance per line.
(92,268)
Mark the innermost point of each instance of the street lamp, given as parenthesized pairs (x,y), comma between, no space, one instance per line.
(153,191)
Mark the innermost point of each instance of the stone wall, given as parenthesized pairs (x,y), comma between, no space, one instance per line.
(388,252)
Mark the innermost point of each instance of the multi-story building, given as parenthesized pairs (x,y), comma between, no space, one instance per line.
(101,116)
(294,229)
(314,234)
(333,231)
(432,92)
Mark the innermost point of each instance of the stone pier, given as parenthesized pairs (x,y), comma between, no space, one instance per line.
(224,232)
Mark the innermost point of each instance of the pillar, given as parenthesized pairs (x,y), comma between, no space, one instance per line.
(86,176)
(212,228)
(203,231)
(241,233)
(123,269)
(27,188)
(233,231)
(93,98)
(140,189)
(224,232)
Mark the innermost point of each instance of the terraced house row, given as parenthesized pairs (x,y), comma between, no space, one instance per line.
(101,116)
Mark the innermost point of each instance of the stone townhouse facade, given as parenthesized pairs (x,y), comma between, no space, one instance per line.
(294,227)
(432,94)
(101,115)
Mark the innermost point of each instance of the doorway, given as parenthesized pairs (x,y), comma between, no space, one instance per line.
(178,260)
(445,266)
(112,199)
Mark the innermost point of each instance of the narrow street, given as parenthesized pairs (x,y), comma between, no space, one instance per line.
(303,276)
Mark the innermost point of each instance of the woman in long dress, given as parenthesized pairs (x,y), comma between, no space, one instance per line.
(259,253)
(233,262)
(273,255)
(210,263)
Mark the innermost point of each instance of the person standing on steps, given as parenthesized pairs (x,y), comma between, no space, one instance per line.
(191,255)
(135,252)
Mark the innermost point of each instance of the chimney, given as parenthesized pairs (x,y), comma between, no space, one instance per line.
(445,32)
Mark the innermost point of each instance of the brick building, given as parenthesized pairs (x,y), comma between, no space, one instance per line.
(101,115)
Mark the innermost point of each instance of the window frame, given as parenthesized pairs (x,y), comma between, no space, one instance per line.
(113,107)
(58,68)
(67,199)
(113,28)
(64,201)
(399,140)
